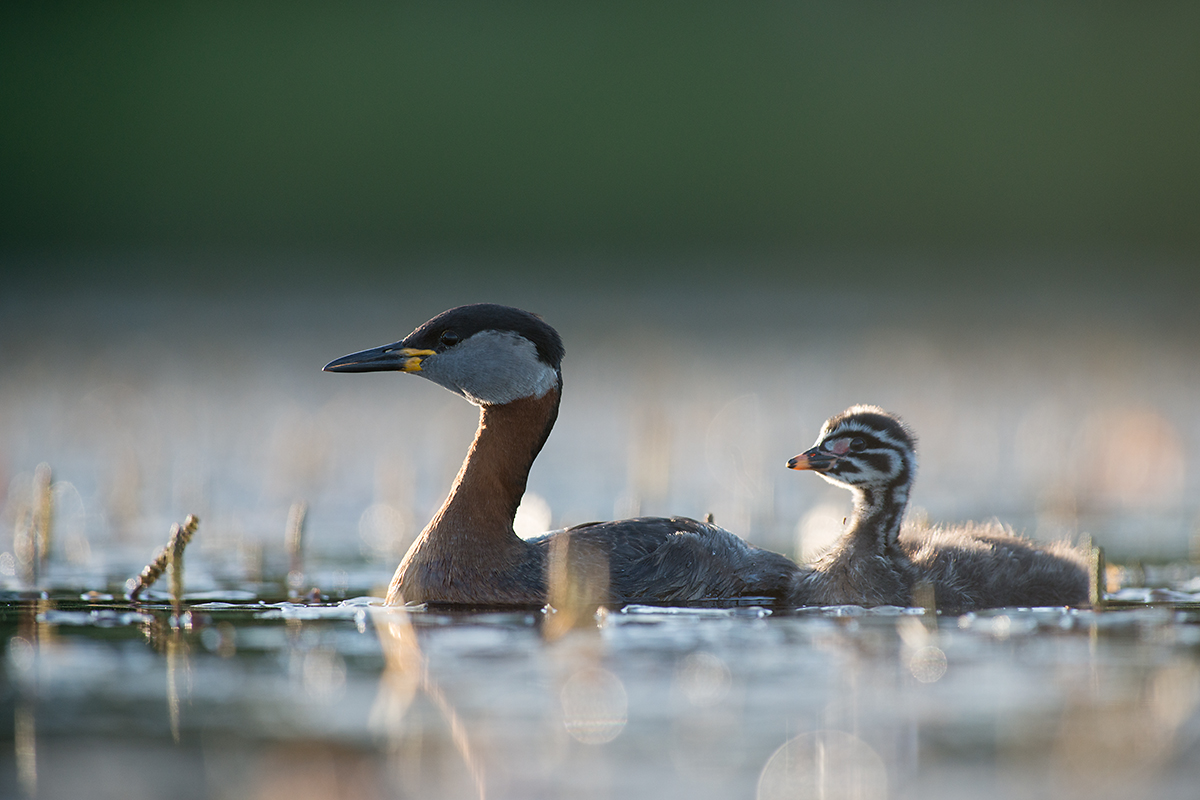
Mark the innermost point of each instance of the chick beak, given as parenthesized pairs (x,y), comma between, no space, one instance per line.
(390,357)
(815,459)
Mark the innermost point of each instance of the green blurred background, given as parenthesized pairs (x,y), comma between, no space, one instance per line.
(933,141)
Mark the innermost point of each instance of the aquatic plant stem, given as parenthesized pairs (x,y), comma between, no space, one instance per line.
(297,515)
(172,555)
(1099,578)
(43,514)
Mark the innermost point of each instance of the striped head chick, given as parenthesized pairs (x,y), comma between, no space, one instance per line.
(872,453)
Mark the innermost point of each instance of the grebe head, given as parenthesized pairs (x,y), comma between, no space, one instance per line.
(863,447)
(490,354)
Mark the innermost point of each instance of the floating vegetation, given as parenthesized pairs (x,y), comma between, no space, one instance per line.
(171,555)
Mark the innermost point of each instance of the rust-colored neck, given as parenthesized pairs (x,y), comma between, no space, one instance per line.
(491,481)
(470,542)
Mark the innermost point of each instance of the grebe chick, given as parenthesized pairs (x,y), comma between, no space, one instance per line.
(508,362)
(873,454)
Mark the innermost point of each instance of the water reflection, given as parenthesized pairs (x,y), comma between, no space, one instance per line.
(708,703)
(928,664)
(1117,739)
(22,670)
(406,674)
(703,678)
(324,674)
(220,638)
(594,706)
(826,764)
(177,665)
(404,666)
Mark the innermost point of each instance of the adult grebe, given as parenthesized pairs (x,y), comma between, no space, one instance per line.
(873,454)
(508,362)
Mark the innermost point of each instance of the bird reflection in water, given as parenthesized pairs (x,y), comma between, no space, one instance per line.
(578,706)
(404,674)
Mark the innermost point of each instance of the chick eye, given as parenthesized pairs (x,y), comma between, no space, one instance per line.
(857,444)
(450,338)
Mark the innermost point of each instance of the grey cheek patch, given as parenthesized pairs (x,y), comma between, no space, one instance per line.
(492,368)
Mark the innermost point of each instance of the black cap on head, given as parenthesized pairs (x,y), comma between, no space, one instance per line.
(465,321)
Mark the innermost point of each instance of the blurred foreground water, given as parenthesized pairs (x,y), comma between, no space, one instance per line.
(355,701)
(1063,419)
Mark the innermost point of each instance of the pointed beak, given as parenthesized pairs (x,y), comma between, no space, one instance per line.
(390,357)
(815,459)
